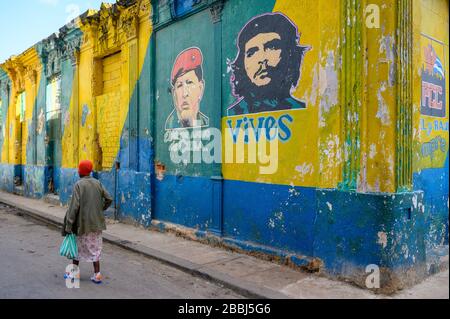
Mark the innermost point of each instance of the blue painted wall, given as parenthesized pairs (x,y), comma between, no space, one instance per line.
(434,181)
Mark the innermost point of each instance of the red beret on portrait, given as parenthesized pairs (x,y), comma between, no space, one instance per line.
(186,61)
(85,168)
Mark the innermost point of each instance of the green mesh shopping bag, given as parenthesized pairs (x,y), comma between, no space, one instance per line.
(69,247)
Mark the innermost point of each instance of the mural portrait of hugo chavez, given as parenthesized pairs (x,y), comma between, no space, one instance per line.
(187,88)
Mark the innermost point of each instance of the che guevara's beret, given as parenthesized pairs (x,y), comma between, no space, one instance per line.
(186,61)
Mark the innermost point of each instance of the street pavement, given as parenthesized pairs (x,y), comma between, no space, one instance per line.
(245,275)
(32,268)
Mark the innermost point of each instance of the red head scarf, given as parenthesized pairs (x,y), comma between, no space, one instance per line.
(85,168)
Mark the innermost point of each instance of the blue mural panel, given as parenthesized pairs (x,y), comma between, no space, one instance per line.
(34,181)
(68,178)
(190,201)
(273,215)
(434,183)
(134,196)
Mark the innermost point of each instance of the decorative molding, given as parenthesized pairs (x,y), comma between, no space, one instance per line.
(216,10)
(52,52)
(108,21)
(129,22)
(72,50)
(164,12)
(53,65)
(126,3)
(89,32)
(351,93)
(15,70)
(113,25)
(144,7)
(404,61)
(31,73)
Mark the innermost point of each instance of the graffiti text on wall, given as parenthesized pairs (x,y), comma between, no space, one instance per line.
(436,126)
(436,144)
(433,126)
(279,125)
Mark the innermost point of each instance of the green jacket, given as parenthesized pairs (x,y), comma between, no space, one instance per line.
(85,213)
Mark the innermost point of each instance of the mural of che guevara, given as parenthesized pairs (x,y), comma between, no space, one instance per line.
(187,91)
(267,67)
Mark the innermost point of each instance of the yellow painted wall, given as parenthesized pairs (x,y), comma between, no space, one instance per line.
(315,154)
(24,70)
(8,151)
(107,102)
(378,117)
(86,131)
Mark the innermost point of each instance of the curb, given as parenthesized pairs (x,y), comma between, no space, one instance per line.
(246,289)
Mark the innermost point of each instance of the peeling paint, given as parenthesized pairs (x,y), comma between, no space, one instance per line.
(414,201)
(382,239)
(383,110)
(328,87)
(387,45)
(66,118)
(373,151)
(41,122)
(85,114)
(362,182)
(160,170)
(305,168)
(315,87)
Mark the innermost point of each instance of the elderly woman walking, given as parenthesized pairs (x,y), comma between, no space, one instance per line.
(85,217)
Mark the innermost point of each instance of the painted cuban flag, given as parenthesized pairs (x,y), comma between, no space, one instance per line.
(438,68)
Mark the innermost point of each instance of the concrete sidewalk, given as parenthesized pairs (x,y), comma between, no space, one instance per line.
(245,274)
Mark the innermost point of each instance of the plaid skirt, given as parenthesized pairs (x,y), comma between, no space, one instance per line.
(90,246)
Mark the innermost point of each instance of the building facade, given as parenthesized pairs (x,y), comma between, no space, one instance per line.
(311,133)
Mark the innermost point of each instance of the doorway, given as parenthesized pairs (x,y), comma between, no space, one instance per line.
(185,192)
(53,137)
